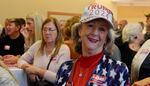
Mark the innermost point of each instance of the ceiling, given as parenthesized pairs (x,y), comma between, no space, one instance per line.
(132,2)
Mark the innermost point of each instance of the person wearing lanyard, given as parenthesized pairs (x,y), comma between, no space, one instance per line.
(43,59)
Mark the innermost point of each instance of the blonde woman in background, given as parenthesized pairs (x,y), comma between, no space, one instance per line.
(4,31)
(51,48)
(32,32)
(6,78)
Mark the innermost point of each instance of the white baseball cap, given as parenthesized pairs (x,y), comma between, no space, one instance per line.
(96,10)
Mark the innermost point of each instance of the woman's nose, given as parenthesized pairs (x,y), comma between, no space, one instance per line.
(95,30)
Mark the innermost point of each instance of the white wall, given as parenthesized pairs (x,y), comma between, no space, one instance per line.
(110,5)
(19,8)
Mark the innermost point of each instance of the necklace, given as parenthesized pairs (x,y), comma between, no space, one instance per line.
(80,75)
(83,72)
(84,68)
(81,69)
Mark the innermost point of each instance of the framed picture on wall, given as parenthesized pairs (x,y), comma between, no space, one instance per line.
(62,16)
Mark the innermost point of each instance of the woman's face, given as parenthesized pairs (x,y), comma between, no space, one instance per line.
(49,32)
(140,37)
(30,26)
(11,28)
(94,35)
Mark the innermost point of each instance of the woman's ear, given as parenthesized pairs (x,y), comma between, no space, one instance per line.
(18,28)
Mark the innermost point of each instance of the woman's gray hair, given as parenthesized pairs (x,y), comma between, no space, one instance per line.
(131,31)
(74,31)
(75,37)
(110,41)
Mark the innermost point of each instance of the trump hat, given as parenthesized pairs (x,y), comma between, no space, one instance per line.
(96,10)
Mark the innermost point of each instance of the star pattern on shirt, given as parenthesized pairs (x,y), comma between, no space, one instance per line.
(65,67)
(98,68)
(64,84)
(122,83)
(110,61)
(69,73)
(104,72)
(112,73)
(60,80)
(119,62)
(121,77)
(109,68)
(104,58)
(127,69)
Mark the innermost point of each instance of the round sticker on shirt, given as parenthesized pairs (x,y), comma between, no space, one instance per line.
(6,47)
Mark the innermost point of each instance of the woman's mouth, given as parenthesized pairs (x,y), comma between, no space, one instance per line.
(92,40)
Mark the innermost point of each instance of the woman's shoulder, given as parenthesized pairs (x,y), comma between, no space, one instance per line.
(35,46)
(69,63)
(65,68)
(37,43)
(64,47)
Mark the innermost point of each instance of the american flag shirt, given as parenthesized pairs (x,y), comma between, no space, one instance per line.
(108,72)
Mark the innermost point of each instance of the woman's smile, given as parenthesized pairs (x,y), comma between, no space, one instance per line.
(93,40)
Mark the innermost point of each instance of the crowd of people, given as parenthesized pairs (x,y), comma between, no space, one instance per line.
(88,50)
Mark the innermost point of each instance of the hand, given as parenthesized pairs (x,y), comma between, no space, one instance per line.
(23,66)
(25,33)
(30,69)
(144,82)
(10,59)
(32,77)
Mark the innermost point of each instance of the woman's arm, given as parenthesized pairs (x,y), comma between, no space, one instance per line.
(28,56)
(143,82)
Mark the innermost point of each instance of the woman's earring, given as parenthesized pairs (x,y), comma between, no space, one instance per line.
(79,40)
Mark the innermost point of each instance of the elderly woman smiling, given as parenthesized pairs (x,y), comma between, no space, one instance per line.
(94,67)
